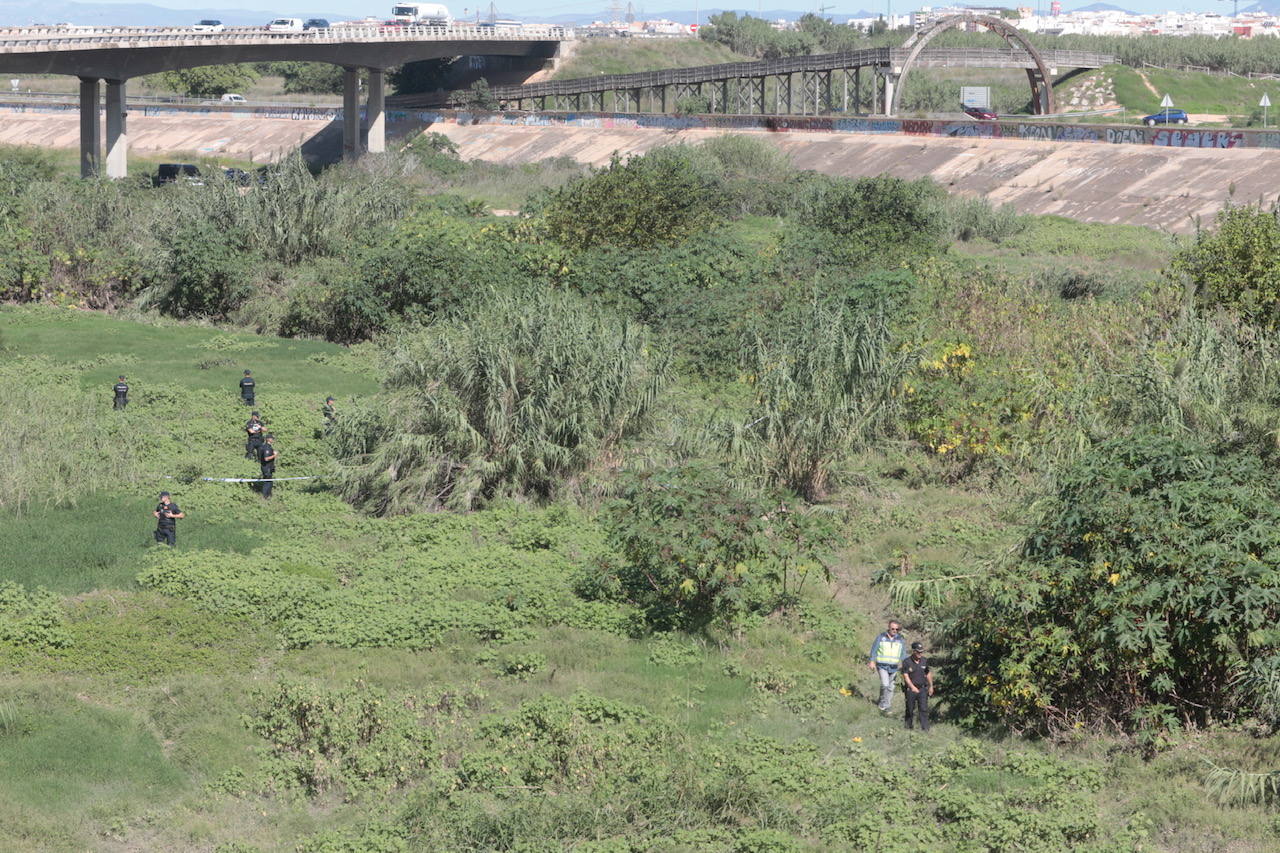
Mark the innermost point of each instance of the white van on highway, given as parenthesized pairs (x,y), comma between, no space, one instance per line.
(285,25)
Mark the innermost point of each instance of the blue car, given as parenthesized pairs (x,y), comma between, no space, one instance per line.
(1169,116)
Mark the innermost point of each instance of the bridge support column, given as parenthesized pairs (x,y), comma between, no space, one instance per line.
(350,113)
(117,137)
(890,82)
(377,110)
(90,136)
(857,89)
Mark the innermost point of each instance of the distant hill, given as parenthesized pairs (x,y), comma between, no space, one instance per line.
(1102,7)
(25,13)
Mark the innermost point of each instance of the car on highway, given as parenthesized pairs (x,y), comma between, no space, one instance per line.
(285,25)
(980,113)
(209,25)
(316,24)
(1169,116)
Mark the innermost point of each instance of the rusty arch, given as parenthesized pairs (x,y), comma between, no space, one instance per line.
(1038,77)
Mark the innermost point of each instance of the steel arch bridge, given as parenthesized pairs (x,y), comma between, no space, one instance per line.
(1038,73)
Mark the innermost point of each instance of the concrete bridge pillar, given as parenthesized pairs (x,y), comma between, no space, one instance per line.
(890,83)
(377,112)
(117,135)
(350,113)
(90,135)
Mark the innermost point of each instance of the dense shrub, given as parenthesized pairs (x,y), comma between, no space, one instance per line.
(1148,578)
(652,200)
(33,619)
(207,274)
(825,390)
(694,548)
(356,739)
(1237,265)
(516,396)
(890,214)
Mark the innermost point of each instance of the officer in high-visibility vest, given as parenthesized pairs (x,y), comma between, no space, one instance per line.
(887,654)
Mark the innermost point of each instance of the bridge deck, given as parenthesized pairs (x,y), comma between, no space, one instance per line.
(47,39)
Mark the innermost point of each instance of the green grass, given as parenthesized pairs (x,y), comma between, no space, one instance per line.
(616,56)
(98,542)
(1191,91)
(165,352)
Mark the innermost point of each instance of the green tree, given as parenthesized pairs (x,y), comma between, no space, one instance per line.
(310,77)
(1237,264)
(659,198)
(1148,579)
(208,80)
(208,272)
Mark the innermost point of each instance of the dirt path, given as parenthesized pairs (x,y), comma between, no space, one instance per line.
(1147,83)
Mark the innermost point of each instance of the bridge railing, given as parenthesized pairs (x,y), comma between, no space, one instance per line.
(88,37)
(868,57)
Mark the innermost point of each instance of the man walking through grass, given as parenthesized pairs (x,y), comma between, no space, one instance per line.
(917,681)
(121,389)
(887,654)
(247,388)
(166,513)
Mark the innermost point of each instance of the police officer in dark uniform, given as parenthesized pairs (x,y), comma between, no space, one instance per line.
(166,528)
(121,389)
(330,415)
(253,429)
(267,459)
(247,388)
(917,677)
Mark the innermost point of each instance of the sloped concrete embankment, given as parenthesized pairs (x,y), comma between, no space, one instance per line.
(1132,184)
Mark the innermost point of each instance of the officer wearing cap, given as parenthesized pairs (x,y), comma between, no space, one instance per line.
(121,389)
(247,388)
(917,678)
(166,513)
(267,459)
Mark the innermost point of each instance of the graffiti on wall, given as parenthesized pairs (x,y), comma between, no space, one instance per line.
(1198,138)
(1126,136)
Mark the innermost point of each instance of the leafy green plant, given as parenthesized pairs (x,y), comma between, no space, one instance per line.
(651,200)
(355,739)
(516,397)
(827,390)
(693,548)
(1148,575)
(34,619)
(1237,265)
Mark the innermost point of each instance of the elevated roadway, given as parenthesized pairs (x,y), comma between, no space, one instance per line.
(115,55)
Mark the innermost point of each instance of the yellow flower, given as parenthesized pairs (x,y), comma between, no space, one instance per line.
(857,740)
(1113,578)
(845,691)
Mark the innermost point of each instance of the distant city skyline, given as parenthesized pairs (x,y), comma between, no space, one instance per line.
(596,9)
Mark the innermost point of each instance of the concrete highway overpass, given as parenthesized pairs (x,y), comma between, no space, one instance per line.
(115,55)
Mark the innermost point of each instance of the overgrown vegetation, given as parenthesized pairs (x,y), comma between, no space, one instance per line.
(615,494)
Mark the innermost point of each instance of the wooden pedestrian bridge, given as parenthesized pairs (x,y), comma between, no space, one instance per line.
(803,85)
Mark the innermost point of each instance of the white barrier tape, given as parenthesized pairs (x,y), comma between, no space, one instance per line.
(255,479)
(250,479)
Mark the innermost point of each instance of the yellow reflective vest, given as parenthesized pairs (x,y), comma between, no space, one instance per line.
(889,652)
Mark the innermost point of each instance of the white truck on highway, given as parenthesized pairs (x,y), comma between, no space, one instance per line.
(421,14)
